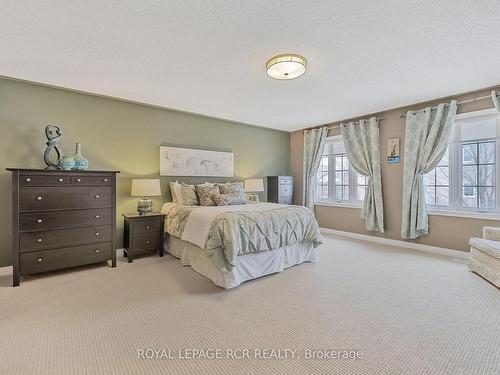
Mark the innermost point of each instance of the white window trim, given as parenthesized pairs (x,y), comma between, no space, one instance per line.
(456,208)
(351,203)
(467,214)
(347,204)
(482,112)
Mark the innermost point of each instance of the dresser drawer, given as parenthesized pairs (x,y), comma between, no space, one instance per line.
(48,260)
(287,180)
(287,200)
(31,221)
(91,180)
(149,226)
(286,190)
(147,242)
(43,180)
(30,241)
(45,198)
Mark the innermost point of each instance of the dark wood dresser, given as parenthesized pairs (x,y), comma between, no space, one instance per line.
(280,189)
(62,219)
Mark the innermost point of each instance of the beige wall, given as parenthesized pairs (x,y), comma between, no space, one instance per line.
(119,135)
(449,232)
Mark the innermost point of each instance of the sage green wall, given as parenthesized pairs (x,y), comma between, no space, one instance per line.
(119,135)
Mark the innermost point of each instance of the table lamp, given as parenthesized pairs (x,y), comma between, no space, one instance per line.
(147,187)
(253,186)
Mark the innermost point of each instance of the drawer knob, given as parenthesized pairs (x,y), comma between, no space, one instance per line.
(97,250)
(39,259)
(97,196)
(105,180)
(148,227)
(39,240)
(39,220)
(61,179)
(39,198)
(28,179)
(147,242)
(78,180)
(97,216)
(97,233)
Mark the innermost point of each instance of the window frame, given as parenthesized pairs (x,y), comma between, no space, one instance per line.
(436,185)
(456,207)
(353,181)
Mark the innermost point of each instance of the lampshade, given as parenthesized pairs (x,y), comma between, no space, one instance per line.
(287,66)
(147,187)
(254,184)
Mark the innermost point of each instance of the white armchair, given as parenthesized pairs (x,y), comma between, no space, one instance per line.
(484,256)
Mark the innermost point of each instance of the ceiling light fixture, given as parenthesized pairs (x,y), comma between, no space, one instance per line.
(286,66)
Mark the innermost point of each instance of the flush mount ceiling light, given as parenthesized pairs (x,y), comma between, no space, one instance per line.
(286,66)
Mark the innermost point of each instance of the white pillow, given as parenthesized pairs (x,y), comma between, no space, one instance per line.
(175,190)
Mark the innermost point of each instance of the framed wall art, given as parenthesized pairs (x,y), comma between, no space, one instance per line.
(192,162)
(393,150)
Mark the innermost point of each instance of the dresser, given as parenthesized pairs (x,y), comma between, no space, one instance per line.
(62,219)
(280,189)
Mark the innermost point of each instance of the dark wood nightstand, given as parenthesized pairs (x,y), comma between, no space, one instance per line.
(143,234)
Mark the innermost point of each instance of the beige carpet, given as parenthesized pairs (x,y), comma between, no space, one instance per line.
(407,312)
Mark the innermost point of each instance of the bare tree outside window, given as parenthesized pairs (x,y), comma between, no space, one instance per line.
(361,186)
(336,180)
(437,183)
(478,174)
(322,189)
(341,177)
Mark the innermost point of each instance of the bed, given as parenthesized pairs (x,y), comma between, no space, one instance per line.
(233,244)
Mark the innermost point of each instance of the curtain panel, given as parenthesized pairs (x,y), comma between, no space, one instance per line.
(496,100)
(362,144)
(314,142)
(427,136)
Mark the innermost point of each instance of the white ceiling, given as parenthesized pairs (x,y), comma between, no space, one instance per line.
(208,57)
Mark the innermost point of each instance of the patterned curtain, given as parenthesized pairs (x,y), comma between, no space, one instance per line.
(314,142)
(361,141)
(427,135)
(496,100)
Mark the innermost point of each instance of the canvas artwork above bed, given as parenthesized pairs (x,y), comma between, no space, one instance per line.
(182,161)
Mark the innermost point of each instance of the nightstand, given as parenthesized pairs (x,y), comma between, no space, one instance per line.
(143,234)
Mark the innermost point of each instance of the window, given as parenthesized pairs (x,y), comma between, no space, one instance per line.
(322,187)
(437,183)
(466,178)
(478,171)
(361,187)
(336,180)
(342,167)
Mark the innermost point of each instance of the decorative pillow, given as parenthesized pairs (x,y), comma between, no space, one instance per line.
(175,190)
(188,194)
(233,188)
(228,200)
(206,193)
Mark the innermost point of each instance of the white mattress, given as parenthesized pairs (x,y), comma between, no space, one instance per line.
(247,267)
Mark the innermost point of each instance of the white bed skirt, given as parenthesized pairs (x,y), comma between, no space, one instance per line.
(247,267)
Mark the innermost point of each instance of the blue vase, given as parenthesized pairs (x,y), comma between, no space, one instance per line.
(66,163)
(80,162)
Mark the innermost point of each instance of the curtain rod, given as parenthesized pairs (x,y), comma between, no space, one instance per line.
(461,102)
(337,126)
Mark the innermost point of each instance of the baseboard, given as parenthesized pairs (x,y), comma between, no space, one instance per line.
(7,270)
(399,243)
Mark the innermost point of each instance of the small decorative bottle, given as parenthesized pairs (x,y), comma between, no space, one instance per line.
(80,162)
(66,163)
